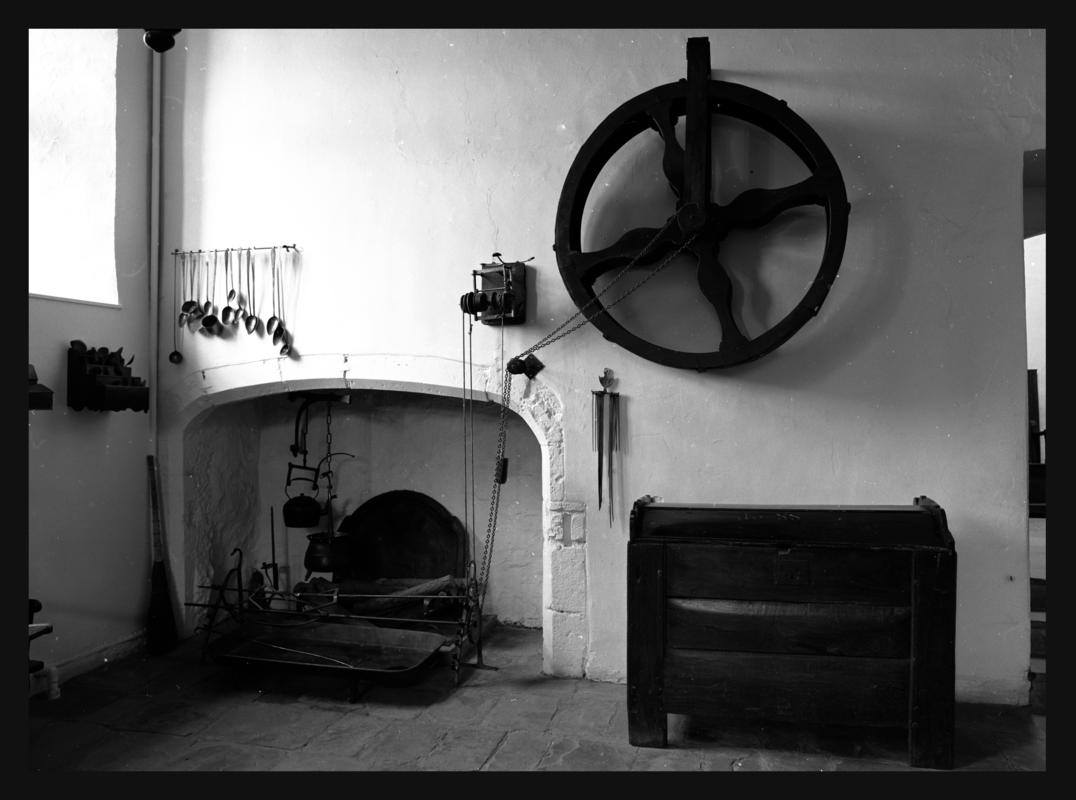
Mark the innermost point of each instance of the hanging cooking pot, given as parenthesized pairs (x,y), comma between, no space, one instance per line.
(326,552)
(318,557)
(302,512)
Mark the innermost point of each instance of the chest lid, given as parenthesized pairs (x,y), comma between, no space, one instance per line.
(921,524)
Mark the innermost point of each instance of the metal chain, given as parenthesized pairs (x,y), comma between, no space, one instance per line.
(555,335)
(467,512)
(559,333)
(470,408)
(495,491)
(329,454)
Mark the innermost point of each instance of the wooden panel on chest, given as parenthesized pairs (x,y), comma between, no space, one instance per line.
(800,574)
(772,627)
(646,645)
(811,689)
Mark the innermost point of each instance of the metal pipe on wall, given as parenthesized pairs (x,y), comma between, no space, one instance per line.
(158,40)
(154,244)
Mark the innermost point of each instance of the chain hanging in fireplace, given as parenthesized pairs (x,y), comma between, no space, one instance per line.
(526,363)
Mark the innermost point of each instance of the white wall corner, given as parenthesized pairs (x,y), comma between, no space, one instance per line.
(568,580)
(564,644)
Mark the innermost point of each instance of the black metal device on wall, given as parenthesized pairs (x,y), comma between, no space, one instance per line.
(499,293)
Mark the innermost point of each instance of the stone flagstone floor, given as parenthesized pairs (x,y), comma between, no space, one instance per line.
(174,713)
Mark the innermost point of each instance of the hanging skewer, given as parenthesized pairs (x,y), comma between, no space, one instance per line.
(614,442)
(599,434)
(606,433)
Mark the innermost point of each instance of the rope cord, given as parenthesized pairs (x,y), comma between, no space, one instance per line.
(329,466)
(470,406)
(463,418)
(559,333)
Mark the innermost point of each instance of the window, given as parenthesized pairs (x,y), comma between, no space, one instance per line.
(1035,305)
(72,165)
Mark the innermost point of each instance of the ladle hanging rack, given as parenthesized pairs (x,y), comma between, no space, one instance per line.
(178,252)
(248,282)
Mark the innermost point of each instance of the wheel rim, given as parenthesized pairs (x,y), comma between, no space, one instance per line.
(651,110)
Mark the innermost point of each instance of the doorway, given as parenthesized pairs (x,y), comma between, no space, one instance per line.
(1035,303)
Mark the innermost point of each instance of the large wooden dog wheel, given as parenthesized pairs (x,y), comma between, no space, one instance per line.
(700,224)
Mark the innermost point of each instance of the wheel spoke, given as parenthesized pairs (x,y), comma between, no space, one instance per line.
(717,288)
(590,266)
(756,207)
(672,161)
(697,124)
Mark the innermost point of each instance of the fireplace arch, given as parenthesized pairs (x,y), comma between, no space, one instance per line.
(535,401)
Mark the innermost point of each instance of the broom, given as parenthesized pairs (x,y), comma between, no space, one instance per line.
(160,622)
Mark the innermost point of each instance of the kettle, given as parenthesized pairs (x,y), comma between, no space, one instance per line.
(302,512)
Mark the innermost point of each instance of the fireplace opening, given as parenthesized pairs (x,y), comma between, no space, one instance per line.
(400,554)
(404,479)
(401,534)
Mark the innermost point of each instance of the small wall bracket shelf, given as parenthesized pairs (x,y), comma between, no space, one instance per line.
(98,379)
(40,394)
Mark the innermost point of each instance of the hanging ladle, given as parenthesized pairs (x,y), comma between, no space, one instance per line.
(210,322)
(181,280)
(175,356)
(230,314)
(273,321)
(198,311)
(191,307)
(280,334)
(252,317)
(207,306)
(237,292)
(241,296)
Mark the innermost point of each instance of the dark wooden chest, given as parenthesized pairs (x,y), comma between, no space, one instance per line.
(814,614)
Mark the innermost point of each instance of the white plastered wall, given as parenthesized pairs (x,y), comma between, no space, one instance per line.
(400,160)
